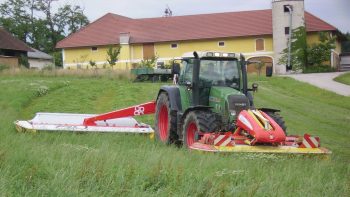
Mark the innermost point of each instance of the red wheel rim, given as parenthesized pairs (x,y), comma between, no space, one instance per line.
(191,133)
(163,123)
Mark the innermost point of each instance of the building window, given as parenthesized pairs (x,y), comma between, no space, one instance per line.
(285,8)
(173,45)
(286,30)
(221,43)
(259,44)
(93,48)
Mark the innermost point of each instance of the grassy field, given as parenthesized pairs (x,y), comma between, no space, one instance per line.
(344,78)
(69,164)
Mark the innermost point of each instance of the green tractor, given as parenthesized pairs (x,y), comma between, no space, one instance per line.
(211,90)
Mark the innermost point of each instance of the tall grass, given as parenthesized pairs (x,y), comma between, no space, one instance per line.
(121,74)
(70,164)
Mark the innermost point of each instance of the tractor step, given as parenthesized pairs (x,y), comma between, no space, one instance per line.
(75,122)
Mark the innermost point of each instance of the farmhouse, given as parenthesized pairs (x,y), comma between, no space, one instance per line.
(39,60)
(258,34)
(11,49)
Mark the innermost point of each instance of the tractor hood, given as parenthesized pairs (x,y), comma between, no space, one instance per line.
(217,92)
(226,100)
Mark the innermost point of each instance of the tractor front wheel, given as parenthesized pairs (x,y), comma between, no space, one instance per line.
(278,119)
(165,122)
(197,123)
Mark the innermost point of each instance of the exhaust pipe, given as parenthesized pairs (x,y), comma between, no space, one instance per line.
(195,80)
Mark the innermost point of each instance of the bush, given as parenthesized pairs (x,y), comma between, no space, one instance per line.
(93,64)
(319,69)
(23,61)
(49,67)
(149,63)
(57,55)
(3,67)
(304,56)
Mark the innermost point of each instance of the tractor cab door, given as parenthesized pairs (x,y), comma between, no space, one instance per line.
(185,82)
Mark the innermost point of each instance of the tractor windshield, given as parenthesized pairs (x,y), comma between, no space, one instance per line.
(220,72)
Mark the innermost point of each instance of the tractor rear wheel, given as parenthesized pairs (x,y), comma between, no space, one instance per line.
(165,123)
(197,123)
(278,119)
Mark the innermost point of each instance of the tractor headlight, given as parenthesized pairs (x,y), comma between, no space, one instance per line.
(210,54)
(233,112)
(231,55)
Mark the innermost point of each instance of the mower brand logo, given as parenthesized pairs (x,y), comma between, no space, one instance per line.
(139,111)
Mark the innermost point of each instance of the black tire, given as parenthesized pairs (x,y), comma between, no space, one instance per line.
(278,119)
(165,120)
(204,121)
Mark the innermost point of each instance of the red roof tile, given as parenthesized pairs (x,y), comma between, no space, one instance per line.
(314,23)
(7,41)
(106,30)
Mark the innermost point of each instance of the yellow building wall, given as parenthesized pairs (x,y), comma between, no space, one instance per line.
(83,55)
(313,38)
(137,52)
(240,45)
(134,53)
(337,47)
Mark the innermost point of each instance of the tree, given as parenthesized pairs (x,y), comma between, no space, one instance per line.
(320,53)
(259,66)
(299,50)
(71,17)
(150,62)
(14,16)
(112,55)
(36,23)
(93,64)
(345,45)
(67,18)
(304,55)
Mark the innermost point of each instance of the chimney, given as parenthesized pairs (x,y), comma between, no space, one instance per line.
(124,38)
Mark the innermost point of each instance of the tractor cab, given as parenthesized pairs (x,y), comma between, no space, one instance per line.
(215,69)
(216,80)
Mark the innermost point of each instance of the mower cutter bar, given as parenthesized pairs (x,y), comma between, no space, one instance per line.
(116,121)
(258,149)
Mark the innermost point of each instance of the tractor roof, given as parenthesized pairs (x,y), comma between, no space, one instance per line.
(212,54)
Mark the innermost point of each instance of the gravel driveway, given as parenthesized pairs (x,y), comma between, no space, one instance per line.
(324,81)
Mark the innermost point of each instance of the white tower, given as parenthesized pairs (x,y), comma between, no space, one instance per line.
(286,15)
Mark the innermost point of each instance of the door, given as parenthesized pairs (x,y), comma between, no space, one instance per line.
(255,68)
(148,51)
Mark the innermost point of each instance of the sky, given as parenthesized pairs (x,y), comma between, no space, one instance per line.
(335,12)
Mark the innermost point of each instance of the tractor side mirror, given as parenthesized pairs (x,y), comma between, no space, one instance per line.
(175,69)
(255,87)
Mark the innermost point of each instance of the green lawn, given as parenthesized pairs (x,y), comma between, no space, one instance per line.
(69,164)
(344,78)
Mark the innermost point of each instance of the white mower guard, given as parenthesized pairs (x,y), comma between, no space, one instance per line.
(74,122)
(120,121)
